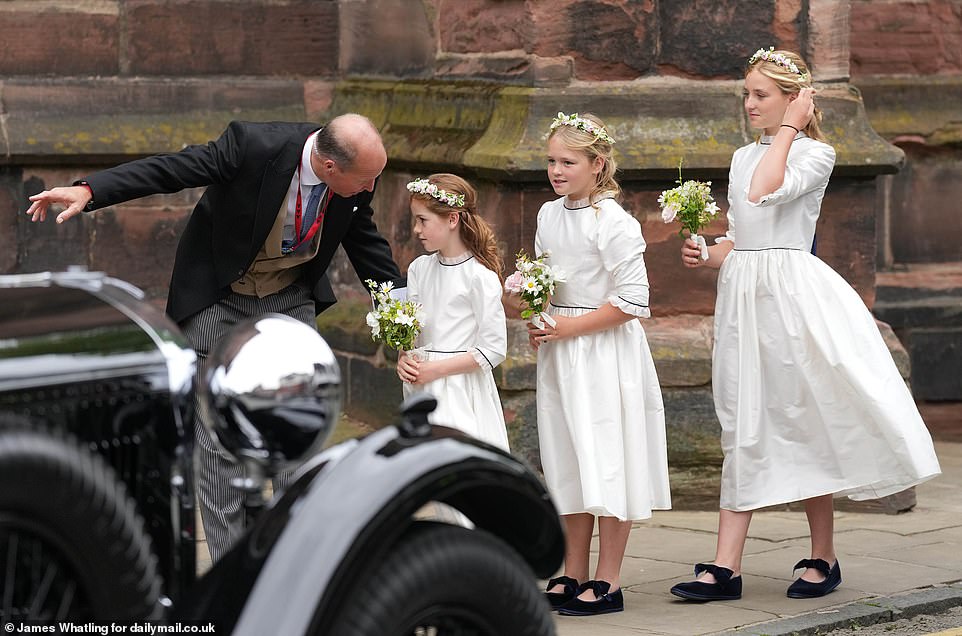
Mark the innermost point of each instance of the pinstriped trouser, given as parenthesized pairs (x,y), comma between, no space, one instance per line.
(221,506)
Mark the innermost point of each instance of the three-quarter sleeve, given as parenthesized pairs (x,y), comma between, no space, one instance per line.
(492,345)
(622,249)
(806,170)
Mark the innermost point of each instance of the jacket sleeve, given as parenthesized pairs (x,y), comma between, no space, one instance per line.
(195,166)
(368,251)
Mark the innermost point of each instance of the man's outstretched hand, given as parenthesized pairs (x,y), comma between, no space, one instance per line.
(72,198)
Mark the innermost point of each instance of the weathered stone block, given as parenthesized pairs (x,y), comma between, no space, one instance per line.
(12,206)
(520,370)
(572,27)
(59,40)
(902,37)
(681,347)
(384,37)
(711,38)
(373,390)
(137,242)
(483,26)
(317,98)
(506,67)
(936,355)
(920,296)
(923,228)
(551,71)
(294,38)
(827,44)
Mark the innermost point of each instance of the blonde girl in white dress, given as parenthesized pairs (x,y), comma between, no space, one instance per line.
(810,402)
(464,335)
(601,421)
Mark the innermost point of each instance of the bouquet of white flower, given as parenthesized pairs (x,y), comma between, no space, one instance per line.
(534,281)
(692,205)
(394,322)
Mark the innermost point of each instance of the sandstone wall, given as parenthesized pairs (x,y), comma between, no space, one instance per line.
(906,57)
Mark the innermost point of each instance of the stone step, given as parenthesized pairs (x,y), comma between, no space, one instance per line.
(920,295)
(923,304)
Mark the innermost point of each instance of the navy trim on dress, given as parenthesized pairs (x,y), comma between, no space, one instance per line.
(585,206)
(439,351)
(443,264)
(485,357)
(764,249)
(632,303)
(799,135)
(571,307)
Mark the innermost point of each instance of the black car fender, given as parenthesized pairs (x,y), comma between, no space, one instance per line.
(345,510)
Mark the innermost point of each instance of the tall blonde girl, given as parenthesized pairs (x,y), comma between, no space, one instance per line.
(464,334)
(808,397)
(601,420)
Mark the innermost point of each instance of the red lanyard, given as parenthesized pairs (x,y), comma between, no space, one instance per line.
(322,210)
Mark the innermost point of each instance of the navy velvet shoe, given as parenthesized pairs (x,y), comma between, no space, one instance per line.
(557,599)
(725,588)
(806,589)
(605,602)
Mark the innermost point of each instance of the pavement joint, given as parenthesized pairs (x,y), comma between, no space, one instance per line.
(861,613)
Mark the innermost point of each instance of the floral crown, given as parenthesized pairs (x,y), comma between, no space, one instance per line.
(778,59)
(423,186)
(582,124)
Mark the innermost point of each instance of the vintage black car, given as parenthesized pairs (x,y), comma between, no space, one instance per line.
(99,396)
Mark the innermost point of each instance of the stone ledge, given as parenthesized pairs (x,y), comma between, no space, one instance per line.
(655,122)
(922,109)
(486,128)
(82,120)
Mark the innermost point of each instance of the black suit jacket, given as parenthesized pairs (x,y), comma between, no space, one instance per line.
(247,171)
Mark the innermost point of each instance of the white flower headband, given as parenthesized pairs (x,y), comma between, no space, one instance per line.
(777,59)
(423,186)
(585,125)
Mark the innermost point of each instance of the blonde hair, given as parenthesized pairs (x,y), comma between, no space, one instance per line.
(592,146)
(790,82)
(474,231)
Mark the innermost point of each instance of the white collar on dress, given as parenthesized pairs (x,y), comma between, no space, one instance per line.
(766,140)
(454,260)
(577,204)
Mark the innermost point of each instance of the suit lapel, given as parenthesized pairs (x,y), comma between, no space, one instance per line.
(275,185)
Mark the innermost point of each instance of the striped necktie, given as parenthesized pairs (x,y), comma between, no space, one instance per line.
(310,212)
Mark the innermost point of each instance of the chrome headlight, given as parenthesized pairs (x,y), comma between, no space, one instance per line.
(270,392)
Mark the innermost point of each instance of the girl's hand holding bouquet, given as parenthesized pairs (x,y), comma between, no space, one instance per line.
(692,205)
(534,281)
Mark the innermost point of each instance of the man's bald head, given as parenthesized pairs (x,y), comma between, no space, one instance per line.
(346,137)
(350,154)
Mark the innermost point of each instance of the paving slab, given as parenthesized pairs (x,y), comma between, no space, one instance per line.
(892,566)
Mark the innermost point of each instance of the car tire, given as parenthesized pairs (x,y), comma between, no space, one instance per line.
(72,546)
(443,579)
